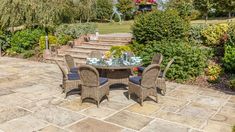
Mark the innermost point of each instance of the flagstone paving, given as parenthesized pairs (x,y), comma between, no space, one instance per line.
(31,100)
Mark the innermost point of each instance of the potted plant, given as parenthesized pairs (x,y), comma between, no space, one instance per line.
(145,5)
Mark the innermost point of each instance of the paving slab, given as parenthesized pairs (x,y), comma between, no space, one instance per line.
(214,126)
(93,125)
(52,129)
(182,119)
(23,124)
(9,113)
(57,115)
(148,108)
(99,113)
(129,120)
(164,126)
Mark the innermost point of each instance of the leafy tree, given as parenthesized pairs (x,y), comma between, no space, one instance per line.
(184,7)
(204,6)
(104,9)
(85,9)
(227,6)
(42,12)
(126,7)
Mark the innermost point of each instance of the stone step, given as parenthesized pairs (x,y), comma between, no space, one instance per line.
(114,41)
(95,43)
(91,48)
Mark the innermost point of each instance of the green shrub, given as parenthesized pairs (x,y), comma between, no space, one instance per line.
(213,34)
(190,61)
(126,8)
(213,72)
(52,41)
(159,25)
(232,86)
(28,54)
(63,39)
(75,30)
(104,9)
(4,40)
(229,58)
(234,128)
(25,40)
(117,50)
(195,35)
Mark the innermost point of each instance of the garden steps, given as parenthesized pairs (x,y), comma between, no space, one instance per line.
(81,52)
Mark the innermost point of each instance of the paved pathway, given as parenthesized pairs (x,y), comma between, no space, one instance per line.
(31,100)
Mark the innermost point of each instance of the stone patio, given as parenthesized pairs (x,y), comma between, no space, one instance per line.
(31,100)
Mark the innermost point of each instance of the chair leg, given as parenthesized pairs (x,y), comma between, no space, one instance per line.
(81,102)
(141,101)
(129,96)
(156,98)
(107,97)
(98,104)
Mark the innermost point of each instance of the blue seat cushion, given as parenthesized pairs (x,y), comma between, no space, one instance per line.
(74,70)
(103,80)
(73,76)
(135,80)
(141,69)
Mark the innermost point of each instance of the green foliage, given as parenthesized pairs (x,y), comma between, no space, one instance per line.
(195,35)
(204,6)
(43,12)
(232,86)
(63,39)
(118,50)
(4,40)
(214,71)
(212,34)
(184,7)
(75,30)
(28,54)
(24,40)
(229,58)
(190,61)
(126,7)
(104,9)
(159,25)
(86,9)
(52,41)
(234,128)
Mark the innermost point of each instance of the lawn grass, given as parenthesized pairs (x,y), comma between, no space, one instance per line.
(115,27)
(213,21)
(125,26)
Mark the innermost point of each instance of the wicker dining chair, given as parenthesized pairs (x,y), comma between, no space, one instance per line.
(160,81)
(145,85)
(157,59)
(93,86)
(96,54)
(70,64)
(70,81)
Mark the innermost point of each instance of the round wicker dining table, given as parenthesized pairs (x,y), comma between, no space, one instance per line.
(116,74)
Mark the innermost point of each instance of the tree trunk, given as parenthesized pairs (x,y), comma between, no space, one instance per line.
(229,16)
(206,17)
(0,50)
(46,39)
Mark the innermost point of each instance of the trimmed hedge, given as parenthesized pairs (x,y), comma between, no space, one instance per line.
(190,61)
(75,30)
(159,25)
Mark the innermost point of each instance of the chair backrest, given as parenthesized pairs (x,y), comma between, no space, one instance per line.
(69,61)
(150,75)
(62,70)
(167,67)
(157,59)
(96,54)
(89,75)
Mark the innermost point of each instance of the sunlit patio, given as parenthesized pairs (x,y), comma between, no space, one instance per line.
(31,99)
